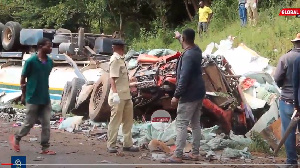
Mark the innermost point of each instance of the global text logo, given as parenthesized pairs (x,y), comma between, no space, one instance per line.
(290,12)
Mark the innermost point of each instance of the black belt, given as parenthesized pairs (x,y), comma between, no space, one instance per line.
(287,101)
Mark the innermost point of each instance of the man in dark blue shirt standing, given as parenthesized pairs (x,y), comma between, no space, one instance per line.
(189,93)
(289,85)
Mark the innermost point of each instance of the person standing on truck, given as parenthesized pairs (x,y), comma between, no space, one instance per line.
(243,12)
(205,15)
(35,93)
(120,101)
(251,7)
(284,78)
(189,94)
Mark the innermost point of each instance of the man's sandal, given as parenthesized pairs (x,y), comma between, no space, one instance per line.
(189,156)
(170,160)
(13,144)
(47,152)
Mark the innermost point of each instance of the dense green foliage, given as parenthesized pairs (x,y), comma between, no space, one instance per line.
(151,23)
(109,15)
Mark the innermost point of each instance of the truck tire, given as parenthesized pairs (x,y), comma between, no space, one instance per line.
(64,96)
(99,110)
(11,36)
(71,94)
(1,29)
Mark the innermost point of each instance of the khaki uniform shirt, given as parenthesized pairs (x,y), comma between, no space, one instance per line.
(117,69)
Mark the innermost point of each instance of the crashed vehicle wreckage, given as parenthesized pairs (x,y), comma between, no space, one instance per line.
(154,80)
(154,75)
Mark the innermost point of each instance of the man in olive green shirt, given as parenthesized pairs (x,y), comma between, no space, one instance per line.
(35,92)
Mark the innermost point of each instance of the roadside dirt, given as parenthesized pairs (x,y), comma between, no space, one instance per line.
(79,149)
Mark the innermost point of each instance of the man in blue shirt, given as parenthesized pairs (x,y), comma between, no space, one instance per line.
(189,93)
(284,79)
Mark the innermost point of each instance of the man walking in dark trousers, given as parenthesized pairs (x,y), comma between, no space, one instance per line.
(35,92)
(284,79)
(189,93)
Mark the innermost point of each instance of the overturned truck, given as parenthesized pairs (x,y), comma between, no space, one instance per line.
(85,50)
(154,77)
(154,81)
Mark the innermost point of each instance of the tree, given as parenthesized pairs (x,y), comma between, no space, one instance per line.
(188,10)
(127,16)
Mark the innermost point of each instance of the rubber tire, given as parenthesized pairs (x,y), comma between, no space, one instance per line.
(100,113)
(14,42)
(70,102)
(1,29)
(64,96)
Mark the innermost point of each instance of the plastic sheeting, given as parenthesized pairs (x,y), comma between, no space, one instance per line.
(242,59)
(209,133)
(142,133)
(260,94)
(71,123)
(56,106)
(254,102)
(264,94)
(234,153)
(219,142)
(216,143)
(264,120)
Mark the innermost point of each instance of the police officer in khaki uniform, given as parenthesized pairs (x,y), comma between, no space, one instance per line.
(120,100)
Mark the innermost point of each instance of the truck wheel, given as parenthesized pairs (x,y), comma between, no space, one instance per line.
(69,100)
(64,96)
(11,35)
(1,29)
(99,110)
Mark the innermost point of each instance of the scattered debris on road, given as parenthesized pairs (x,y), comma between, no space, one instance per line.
(33,139)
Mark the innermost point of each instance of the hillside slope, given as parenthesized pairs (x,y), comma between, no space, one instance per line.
(270,38)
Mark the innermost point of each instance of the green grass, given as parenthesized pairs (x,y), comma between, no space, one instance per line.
(259,145)
(270,38)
